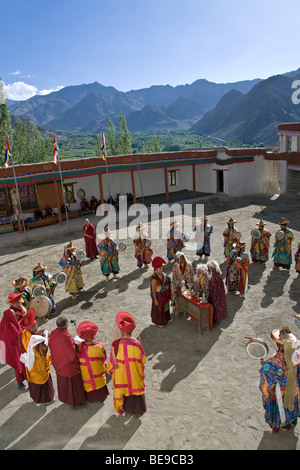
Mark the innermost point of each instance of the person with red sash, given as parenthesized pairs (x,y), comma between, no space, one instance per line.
(127,367)
(10,329)
(89,233)
(34,353)
(161,293)
(65,360)
(92,359)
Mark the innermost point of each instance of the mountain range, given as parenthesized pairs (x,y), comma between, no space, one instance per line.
(247,110)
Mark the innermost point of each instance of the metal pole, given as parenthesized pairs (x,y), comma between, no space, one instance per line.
(18,195)
(62,188)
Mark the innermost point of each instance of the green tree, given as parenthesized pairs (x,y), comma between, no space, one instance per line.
(112,146)
(5,121)
(156,148)
(29,145)
(124,137)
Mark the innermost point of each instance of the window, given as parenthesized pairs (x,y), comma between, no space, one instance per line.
(173,177)
(69,193)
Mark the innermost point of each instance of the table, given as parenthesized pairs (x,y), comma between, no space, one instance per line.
(194,308)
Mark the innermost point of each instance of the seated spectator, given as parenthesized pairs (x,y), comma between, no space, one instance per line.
(84,205)
(94,203)
(49,211)
(38,214)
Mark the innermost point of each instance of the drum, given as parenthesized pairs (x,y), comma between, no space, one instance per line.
(80,255)
(42,304)
(257,348)
(61,278)
(297,320)
(280,234)
(186,238)
(38,290)
(122,246)
(255,233)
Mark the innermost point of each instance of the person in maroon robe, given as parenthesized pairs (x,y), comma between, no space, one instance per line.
(10,329)
(216,291)
(89,233)
(65,360)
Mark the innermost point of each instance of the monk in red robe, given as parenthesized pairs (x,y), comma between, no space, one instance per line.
(89,233)
(10,328)
(65,360)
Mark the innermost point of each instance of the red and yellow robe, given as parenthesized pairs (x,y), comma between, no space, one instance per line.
(126,365)
(92,359)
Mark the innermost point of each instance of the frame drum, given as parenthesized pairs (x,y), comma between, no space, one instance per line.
(257,348)
(297,320)
(61,278)
(280,234)
(122,246)
(38,290)
(42,304)
(80,255)
(255,233)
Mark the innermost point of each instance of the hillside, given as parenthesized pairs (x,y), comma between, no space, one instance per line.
(252,117)
(88,107)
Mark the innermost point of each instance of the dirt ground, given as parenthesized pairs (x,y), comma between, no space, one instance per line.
(201,390)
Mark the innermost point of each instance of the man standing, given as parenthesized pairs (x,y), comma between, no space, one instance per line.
(64,357)
(34,353)
(9,352)
(282,254)
(42,278)
(89,233)
(109,255)
(126,365)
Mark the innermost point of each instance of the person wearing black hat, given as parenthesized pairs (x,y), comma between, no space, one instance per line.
(237,269)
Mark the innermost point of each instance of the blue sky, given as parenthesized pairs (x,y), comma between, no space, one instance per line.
(135,44)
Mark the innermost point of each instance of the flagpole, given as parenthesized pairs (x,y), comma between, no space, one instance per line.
(18,196)
(103,150)
(55,150)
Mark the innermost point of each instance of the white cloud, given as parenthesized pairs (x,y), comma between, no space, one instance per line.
(46,92)
(19,91)
(17,72)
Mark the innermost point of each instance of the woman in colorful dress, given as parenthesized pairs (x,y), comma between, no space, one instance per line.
(92,358)
(282,254)
(216,291)
(201,282)
(174,241)
(74,282)
(203,233)
(297,259)
(142,245)
(237,269)
(161,293)
(109,255)
(279,383)
(182,272)
(127,368)
(231,236)
(260,243)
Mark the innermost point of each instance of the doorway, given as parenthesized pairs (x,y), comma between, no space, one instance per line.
(220,181)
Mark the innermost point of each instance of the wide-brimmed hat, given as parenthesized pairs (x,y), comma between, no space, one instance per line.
(70,247)
(28,321)
(261,222)
(20,282)
(125,322)
(279,334)
(39,267)
(283,221)
(231,221)
(87,330)
(13,298)
(140,226)
(239,244)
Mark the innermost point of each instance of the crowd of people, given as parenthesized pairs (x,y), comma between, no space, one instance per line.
(81,363)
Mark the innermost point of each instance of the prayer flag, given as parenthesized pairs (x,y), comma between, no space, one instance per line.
(103,146)
(55,151)
(7,153)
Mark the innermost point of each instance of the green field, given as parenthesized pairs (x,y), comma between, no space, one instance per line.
(82,145)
